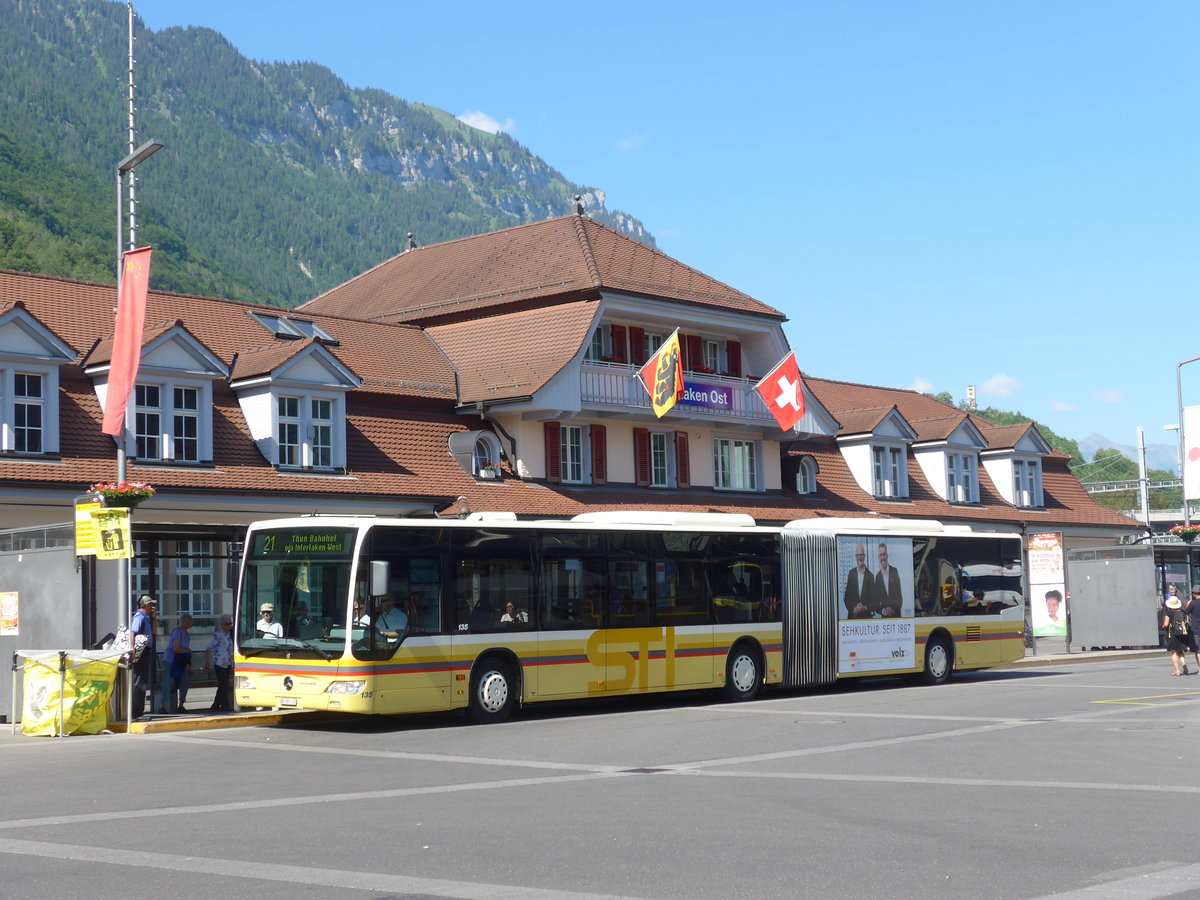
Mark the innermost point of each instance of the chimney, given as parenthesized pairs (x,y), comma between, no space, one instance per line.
(579,204)
(410,244)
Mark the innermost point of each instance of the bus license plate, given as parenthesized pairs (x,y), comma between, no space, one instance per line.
(287,701)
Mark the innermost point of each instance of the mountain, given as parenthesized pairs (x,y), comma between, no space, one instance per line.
(1158,456)
(277,181)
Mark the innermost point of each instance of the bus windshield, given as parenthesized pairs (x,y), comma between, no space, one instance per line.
(294,592)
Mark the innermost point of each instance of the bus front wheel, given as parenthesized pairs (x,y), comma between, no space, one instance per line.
(493,692)
(743,674)
(939,661)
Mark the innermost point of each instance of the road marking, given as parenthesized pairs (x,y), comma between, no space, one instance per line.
(1164,883)
(1138,701)
(308,875)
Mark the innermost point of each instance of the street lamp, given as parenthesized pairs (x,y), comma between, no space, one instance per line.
(124,167)
(1187,515)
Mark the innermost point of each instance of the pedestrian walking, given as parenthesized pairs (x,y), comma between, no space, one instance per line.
(1179,637)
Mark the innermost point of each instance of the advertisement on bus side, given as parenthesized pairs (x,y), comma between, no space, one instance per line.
(876,625)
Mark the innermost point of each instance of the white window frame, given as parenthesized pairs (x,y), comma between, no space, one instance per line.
(737,468)
(889,467)
(595,351)
(23,402)
(168,443)
(195,584)
(662,446)
(320,431)
(46,404)
(806,476)
(572,454)
(1027,482)
(651,341)
(962,479)
(711,354)
(289,428)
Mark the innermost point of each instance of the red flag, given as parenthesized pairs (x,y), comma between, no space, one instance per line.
(783,392)
(127,339)
(662,376)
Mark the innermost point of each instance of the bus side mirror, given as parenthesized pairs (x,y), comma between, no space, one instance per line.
(381,580)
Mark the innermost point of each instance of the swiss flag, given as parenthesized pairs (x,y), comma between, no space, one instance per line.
(783,392)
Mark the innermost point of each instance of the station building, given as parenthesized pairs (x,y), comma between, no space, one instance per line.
(490,373)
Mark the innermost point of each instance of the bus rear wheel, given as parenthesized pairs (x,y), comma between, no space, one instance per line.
(493,692)
(939,661)
(743,674)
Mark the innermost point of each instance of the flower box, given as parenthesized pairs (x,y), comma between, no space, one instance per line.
(489,473)
(126,494)
(1186,533)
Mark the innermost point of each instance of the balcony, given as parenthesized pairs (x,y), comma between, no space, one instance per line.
(614,388)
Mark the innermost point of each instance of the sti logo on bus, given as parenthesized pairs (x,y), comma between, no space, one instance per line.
(606,650)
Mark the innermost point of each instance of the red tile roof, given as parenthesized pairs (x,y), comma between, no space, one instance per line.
(514,355)
(564,258)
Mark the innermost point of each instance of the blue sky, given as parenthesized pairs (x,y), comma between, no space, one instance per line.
(937,194)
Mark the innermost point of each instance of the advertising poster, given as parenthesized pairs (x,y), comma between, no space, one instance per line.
(8,614)
(1047,586)
(876,628)
(112,529)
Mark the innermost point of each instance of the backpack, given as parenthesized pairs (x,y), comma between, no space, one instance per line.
(1179,623)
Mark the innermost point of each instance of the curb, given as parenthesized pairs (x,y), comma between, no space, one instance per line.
(1065,659)
(208,723)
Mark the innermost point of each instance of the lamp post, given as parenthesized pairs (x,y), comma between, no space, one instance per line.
(126,167)
(1187,514)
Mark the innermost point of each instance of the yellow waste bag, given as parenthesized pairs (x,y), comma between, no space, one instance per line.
(83,697)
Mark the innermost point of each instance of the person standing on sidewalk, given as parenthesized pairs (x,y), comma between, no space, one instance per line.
(177,661)
(145,623)
(220,656)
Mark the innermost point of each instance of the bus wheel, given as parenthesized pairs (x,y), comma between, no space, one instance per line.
(939,661)
(743,674)
(493,692)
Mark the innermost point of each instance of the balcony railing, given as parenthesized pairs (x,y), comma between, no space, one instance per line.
(614,385)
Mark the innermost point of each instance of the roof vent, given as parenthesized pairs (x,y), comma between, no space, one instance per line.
(410,244)
(579,204)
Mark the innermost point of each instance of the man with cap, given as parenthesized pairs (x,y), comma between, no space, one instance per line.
(267,626)
(145,624)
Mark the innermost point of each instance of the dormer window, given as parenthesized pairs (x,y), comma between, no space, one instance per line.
(1027,482)
(166,421)
(289,328)
(304,431)
(28,412)
(888,472)
(962,479)
(30,357)
(806,476)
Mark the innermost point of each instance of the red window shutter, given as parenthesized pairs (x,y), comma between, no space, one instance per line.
(553,433)
(694,353)
(733,358)
(641,456)
(637,345)
(683,460)
(599,436)
(618,343)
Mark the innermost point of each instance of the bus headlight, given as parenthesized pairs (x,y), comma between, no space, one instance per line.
(242,683)
(345,687)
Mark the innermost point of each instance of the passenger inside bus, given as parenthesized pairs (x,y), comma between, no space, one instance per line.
(513,617)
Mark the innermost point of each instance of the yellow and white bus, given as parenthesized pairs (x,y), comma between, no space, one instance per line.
(385,616)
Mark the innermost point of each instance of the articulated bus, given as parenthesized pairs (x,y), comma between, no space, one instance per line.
(382,616)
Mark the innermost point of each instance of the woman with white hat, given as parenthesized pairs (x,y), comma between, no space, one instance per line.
(1180,639)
